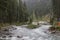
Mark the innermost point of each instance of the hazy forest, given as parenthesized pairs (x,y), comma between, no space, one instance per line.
(29,19)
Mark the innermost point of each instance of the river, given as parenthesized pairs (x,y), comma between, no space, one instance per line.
(23,33)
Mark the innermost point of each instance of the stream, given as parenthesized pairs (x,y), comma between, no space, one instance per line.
(23,33)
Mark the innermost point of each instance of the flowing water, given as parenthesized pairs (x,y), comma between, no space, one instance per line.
(41,33)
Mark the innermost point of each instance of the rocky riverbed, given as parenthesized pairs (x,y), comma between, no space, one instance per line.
(23,33)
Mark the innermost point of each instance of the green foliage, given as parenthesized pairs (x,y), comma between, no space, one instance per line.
(56,8)
(55,28)
(51,21)
(52,28)
(31,26)
(58,28)
(4,25)
(12,11)
(18,24)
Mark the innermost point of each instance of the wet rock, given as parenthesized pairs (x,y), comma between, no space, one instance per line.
(53,32)
(0,35)
(10,30)
(3,36)
(8,33)
(19,36)
(10,36)
(14,28)
(5,30)
(22,39)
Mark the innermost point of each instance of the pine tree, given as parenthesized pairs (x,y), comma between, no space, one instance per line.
(12,11)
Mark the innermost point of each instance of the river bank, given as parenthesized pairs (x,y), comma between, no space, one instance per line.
(54,30)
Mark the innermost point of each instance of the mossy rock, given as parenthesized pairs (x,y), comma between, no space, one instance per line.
(18,24)
(52,28)
(55,28)
(31,26)
(58,28)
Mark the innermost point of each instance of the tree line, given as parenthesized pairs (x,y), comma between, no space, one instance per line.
(13,11)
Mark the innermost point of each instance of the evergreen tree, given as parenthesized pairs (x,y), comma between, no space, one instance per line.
(12,11)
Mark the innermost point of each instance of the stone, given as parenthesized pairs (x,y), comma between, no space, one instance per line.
(19,36)
(5,30)
(3,36)
(10,36)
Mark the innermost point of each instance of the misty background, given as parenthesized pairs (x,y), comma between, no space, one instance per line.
(41,7)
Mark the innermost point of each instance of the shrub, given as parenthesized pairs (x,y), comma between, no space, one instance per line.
(31,26)
(18,24)
(55,28)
